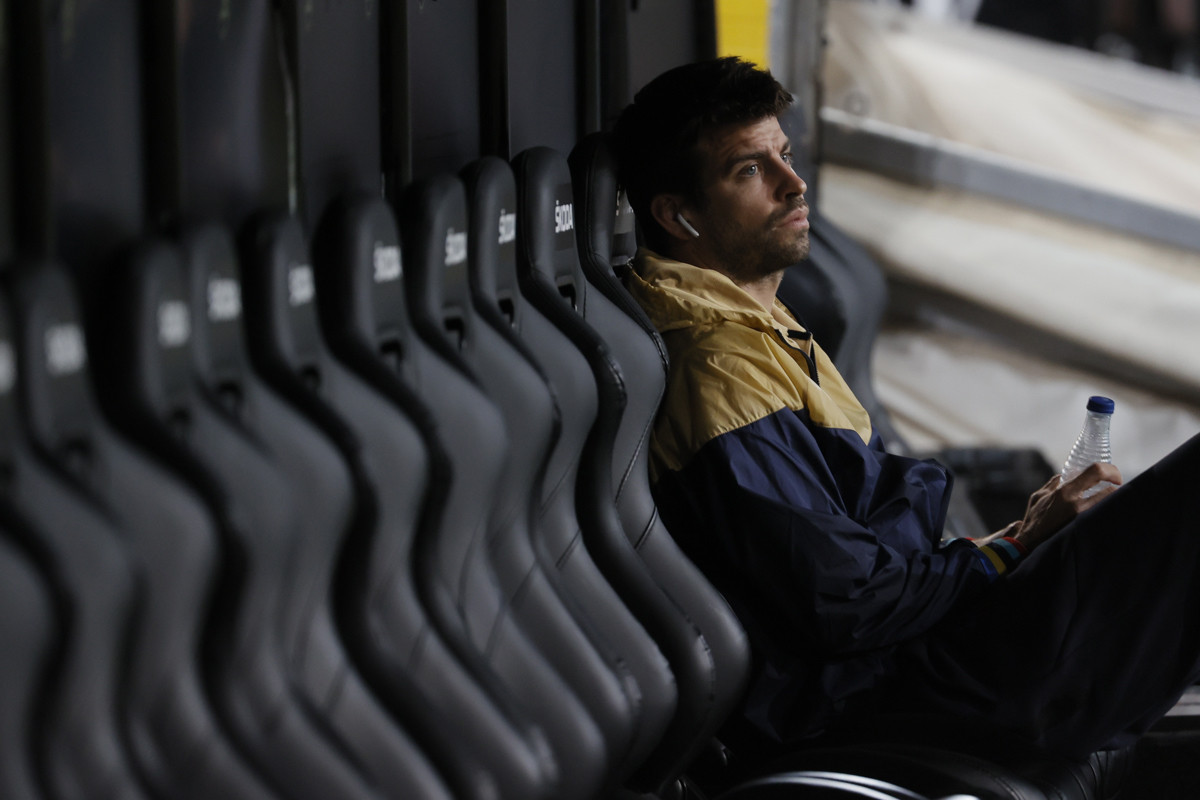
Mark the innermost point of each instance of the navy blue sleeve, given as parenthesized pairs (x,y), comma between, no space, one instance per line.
(838,538)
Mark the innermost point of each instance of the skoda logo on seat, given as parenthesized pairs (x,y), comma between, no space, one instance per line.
(564,217)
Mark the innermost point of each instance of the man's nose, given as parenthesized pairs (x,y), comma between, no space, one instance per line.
(789,182)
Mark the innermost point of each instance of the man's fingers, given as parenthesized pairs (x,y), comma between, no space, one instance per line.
(1102,472)
(1096,473)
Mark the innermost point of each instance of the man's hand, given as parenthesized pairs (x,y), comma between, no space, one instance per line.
(1053,506)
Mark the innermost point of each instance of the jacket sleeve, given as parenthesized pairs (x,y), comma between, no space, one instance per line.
(839,538)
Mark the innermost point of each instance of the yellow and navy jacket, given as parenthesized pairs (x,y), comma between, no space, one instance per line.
(766,470)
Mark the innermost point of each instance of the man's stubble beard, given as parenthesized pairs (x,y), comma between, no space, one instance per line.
(764,252)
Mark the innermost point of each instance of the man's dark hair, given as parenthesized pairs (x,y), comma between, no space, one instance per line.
(655,139)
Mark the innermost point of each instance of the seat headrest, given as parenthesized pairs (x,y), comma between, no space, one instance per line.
(8,382)
(546,214)
(434,226)
(214,280)
(493,227)
(609,232)
(625,240)
(53,356)
(152,353)
(360,271)
(281,290)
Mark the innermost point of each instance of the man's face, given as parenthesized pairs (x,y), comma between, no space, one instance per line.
(754,221)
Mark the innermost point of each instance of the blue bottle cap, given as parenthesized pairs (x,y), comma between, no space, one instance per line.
(1100,404)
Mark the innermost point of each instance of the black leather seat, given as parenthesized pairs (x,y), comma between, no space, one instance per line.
(500,304)
(436,216)
(692,623)
(77,744)
(386,629)
(462,591)
(164,526)
(29,628)
(363,313)
(189,403)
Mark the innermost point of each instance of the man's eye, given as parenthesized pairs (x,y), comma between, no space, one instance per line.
(788,158)
(750,169)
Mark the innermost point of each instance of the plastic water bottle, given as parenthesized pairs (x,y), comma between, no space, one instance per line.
(1093,444)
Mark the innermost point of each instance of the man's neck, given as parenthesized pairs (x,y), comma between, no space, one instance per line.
(762,288)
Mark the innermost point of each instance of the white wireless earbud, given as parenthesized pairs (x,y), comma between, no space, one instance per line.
(687,226)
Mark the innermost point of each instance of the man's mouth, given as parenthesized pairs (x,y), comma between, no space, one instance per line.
(795,218)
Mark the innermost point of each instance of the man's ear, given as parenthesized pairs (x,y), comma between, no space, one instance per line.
(667,210)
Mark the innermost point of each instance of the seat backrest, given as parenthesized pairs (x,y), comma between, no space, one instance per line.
(78,746)
(365,321)
(472,428)
(166,529)
(497,299)
(28,628)
(630,375)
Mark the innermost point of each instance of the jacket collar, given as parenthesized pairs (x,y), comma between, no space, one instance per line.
(677,295)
